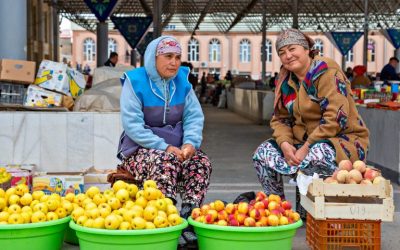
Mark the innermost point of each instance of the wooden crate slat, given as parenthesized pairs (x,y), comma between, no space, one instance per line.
(319,188)
(320,209)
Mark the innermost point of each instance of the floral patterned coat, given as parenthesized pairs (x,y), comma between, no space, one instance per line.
(321,108)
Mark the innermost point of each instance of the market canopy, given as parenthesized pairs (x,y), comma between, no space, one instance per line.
(246,15)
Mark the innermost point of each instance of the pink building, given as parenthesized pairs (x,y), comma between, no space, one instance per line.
(239,52)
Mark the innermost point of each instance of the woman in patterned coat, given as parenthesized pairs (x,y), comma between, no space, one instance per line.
(315,122)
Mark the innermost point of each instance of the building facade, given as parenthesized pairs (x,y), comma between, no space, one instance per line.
(214,52)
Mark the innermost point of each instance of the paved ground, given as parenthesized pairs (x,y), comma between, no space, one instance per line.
(230,140)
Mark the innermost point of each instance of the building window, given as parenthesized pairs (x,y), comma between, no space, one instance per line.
(371,50)
(244,51)
(350,56)
(268,50)
(112,46)
(193,50)
(319,45)
(89,50)
(215,50)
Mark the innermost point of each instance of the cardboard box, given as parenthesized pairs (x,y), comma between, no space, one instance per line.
(77,82)
(98,178)
(53,76)
(17,71)
(61,183)
(21,174)
(38,97)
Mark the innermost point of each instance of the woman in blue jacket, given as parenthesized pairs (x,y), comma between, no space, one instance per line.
(163,124)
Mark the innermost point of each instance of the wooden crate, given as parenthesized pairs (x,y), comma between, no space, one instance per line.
(349,201)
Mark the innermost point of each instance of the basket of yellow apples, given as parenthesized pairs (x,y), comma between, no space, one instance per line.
(32,220)
(267,222)
(125,217)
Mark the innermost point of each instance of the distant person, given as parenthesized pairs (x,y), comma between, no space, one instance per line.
(360,80)
(113,60)
(192,78)
(272,81)
(78,67)
(87,69)
(389,71)
(216,76)
(349,73)
(228,76)
(203,83)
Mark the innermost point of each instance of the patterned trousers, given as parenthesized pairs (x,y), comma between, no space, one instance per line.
(189,178)
(271,165)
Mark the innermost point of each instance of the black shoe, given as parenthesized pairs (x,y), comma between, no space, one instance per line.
(245,197)
(182,243)
(186,210)
(190,237)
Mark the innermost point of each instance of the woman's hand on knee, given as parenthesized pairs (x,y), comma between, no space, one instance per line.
(176,151)
(302,152)
(289,152)
(188,151)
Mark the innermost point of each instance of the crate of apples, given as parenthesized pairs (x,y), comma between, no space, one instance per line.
(125,207)
(263,211)
(355,173)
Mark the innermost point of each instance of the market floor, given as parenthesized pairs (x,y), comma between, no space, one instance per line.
(229,141)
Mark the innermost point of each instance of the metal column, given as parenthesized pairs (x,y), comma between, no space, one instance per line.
(102,43)
(263,43)
(295,24)
(157,18)
(13,29)
(365,54)
(56,28)
(133,57)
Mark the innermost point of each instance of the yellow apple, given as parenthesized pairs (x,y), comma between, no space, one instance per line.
(10,191)
(132,189)
(161,204)
(150,193)
(81,220)
(70,197)
(44,198)
(92,191)
(26,199)
(41,207)
(129,204)
(55,196)
(52,204)
(149,184)
(150,225)
(33,203)
(67,206)
(119,185)
(160,222)
(90,206)
(138,223)
(61,212)
(15,219)
(150,213)
(99,198)
(79,199)
(141,201)
(89,223)
(38,216)
(78,212)
(162,214)
(169,201)
(99,223)
(4,216)
(122,195)
(14,209)
(114,203)
(51,216)
(112,222)
(21,189)
(2,193)
(26,216)
(26,209)
(13,199)
(109,193)
(140,193)
(3,203)
(125,226)
(174,219)
(171,209)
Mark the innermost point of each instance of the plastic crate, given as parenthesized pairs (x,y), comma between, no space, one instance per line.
(343,234)
(12,93)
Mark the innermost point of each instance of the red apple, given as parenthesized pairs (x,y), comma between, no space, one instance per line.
(196,213)
(240,218)
(249,222)
(243,208)
(230,208)
(222,215)
(255,214)
(260,196)
(345,165)
(286,205)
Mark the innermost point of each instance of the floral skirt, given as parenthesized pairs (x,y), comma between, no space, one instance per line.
(271,165)
(189,178)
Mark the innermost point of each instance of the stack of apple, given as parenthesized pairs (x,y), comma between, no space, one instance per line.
(124,207)
(4,175)
(18,206)
(262,212)
(356,173)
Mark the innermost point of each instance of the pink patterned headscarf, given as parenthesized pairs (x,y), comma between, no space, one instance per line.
(168,45)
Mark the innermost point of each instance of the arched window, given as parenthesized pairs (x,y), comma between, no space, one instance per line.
(319,45)
(89,50)
(268,50)
(193,50)
(371,50)
(244,51)
(350,56)
(112,46)
(215,50)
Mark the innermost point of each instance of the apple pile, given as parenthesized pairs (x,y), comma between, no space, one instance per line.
(4,175)
(355,173)
(18,206)
(261,212)
(125,207)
